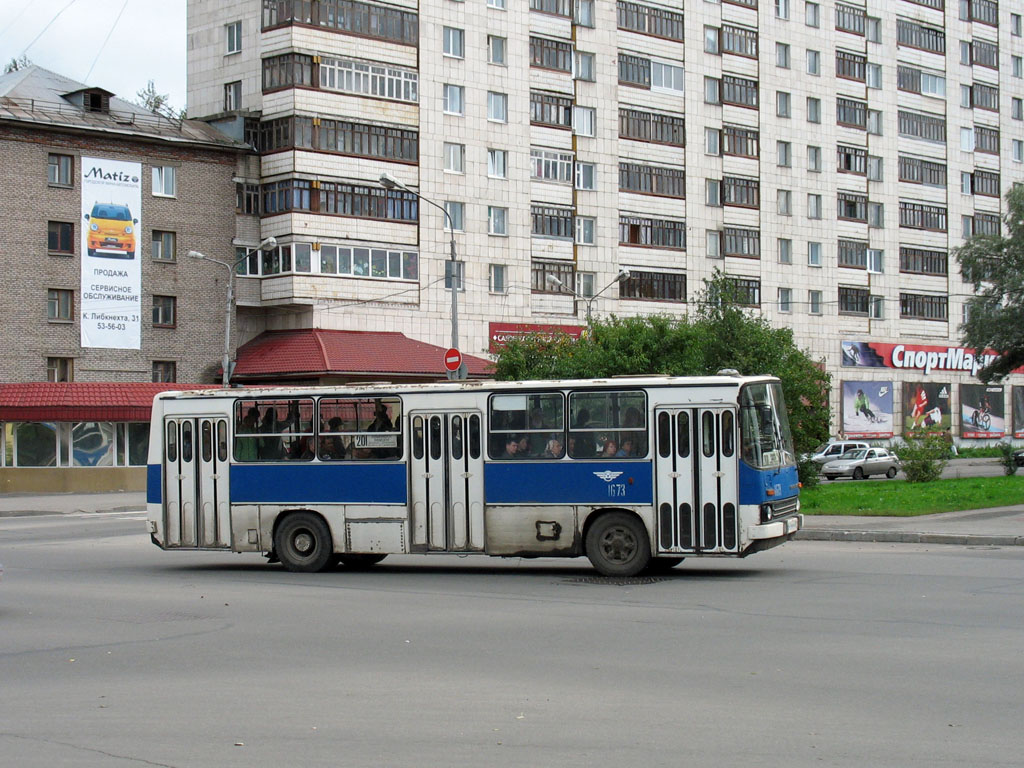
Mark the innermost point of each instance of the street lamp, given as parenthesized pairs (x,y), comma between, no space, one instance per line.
(269,244)
(390,182)
(552,280)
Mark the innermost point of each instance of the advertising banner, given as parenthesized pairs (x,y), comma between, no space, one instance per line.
(501,333)
(1018,411)
(111,271)
(982,415)
(919,357)
(867,409)
(926,409)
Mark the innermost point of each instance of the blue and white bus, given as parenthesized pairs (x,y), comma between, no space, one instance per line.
(634,473)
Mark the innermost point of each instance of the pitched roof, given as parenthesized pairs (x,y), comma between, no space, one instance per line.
(317,352)
(82,401)
(38,96)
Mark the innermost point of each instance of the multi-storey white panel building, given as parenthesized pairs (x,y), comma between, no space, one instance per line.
(829,156)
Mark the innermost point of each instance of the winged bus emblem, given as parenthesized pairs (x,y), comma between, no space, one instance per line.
(607,475)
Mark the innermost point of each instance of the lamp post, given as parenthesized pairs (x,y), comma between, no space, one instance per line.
(390,182)
(623,274)
(266,245)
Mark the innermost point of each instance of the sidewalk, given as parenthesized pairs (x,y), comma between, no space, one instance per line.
(23,504)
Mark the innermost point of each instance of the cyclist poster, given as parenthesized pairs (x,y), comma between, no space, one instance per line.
(1018,411)
(926,408)
(867,409)
(982,415)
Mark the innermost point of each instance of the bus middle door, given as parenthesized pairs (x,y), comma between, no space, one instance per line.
(196,477)
(446,482)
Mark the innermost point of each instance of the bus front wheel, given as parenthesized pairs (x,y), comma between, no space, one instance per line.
(617,545)
(303,543)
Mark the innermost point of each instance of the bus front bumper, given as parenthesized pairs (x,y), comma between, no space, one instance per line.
(777,528)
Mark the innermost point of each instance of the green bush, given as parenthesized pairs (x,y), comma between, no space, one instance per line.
(923,459)
(809,473)
(1006,459)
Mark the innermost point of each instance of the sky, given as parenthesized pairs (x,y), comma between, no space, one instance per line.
(118,45)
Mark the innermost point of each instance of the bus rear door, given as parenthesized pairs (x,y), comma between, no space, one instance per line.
(446,482)
(196,483)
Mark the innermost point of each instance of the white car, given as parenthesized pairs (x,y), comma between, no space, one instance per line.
(863,463)
(829,451)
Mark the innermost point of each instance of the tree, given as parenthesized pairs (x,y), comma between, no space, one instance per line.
(17,63)
(719,334)
(148,98)
(994,265)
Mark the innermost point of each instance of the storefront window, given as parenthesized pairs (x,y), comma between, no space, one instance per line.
(35,444)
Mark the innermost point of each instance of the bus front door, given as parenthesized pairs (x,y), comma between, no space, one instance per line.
(196,476)
(446,482)
(696,483)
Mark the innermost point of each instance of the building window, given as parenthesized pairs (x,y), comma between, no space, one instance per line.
(922,261)
(851,113)
(667,77)
(583,13)
(814,302)
(1017,108)
(584,67)
(712,40)
(782,9)
(586,176)
(812,15)
(785,250)
(781,55)
(813,62)
(60,237)
(455,211)
(813,206)
(876,215)
(851,66)
(551,110)
(59,304)
(452,99)
(875,166)
(498,279)
(852,253)
(653,286)
(921,307)
(454,157)
(556,55)
(742,242)
(368,79)
(496,4)
(784,150)
(377,263)
(233,96)
(910,34)
(814,254)
(785,299)
(874,75)
(540,270)
(233,37)
(920,125)
(652,180)
(497,107)
(163,245)
(60,369)
(586,230)
(852,207)
(454,42)
(712,141)
(712,90)
(1015,24)
(549,165)
(497,50)
(497,220)
(873,29)
(921,216)
(741,192)
(165,181)
(165,371)
(289,70)
(876,307)
(164,311)
(814,159)
(853,301)
(739,91)
(740,142)
(59,169)
(713,243)
(585,284)
(652,233)
(784,202)
(497,160)
(551,221)
(247,198)
(876,261)
(584,121)
(813,109)
(656,22)
(745,291)
(460,274)
(1017,147)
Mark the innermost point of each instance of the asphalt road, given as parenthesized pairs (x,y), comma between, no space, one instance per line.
(113,653)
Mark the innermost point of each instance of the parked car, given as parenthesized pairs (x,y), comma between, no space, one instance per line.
(829,451)
(861,463)
(1018,457)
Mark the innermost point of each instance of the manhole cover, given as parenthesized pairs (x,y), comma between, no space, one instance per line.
(616,581)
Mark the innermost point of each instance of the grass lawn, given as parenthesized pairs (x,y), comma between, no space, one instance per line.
(898,498)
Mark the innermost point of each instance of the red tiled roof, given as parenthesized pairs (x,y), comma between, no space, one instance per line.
(318,351)
(82,401)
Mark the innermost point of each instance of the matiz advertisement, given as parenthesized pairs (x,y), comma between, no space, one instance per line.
(926,408)
(868,409)
(111,271)
(982,414)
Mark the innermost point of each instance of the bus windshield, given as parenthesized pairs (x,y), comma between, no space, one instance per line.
(764,427)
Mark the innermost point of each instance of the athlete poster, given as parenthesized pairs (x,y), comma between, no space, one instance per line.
(1018,411)
(926,408)
(982,415)
(867,409)
(111,302)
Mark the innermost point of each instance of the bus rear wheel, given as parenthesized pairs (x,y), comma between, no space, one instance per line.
(617,545)
(359,562)
(303,543)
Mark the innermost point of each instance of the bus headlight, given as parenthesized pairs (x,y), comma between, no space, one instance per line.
(767,513)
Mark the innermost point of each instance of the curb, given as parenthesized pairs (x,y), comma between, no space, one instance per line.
(902,537)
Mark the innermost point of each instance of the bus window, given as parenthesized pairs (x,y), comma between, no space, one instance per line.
(522,426)
(765,441)
(172,441)
(360,428)
(274,430)
(683,440)
(247,427)
(207,442)
(186,441)
(474,437)
(417,437)
(222,440)
(664,435)
(607,425)
(707,430)
(435,437)
(456,437)
(728,434)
